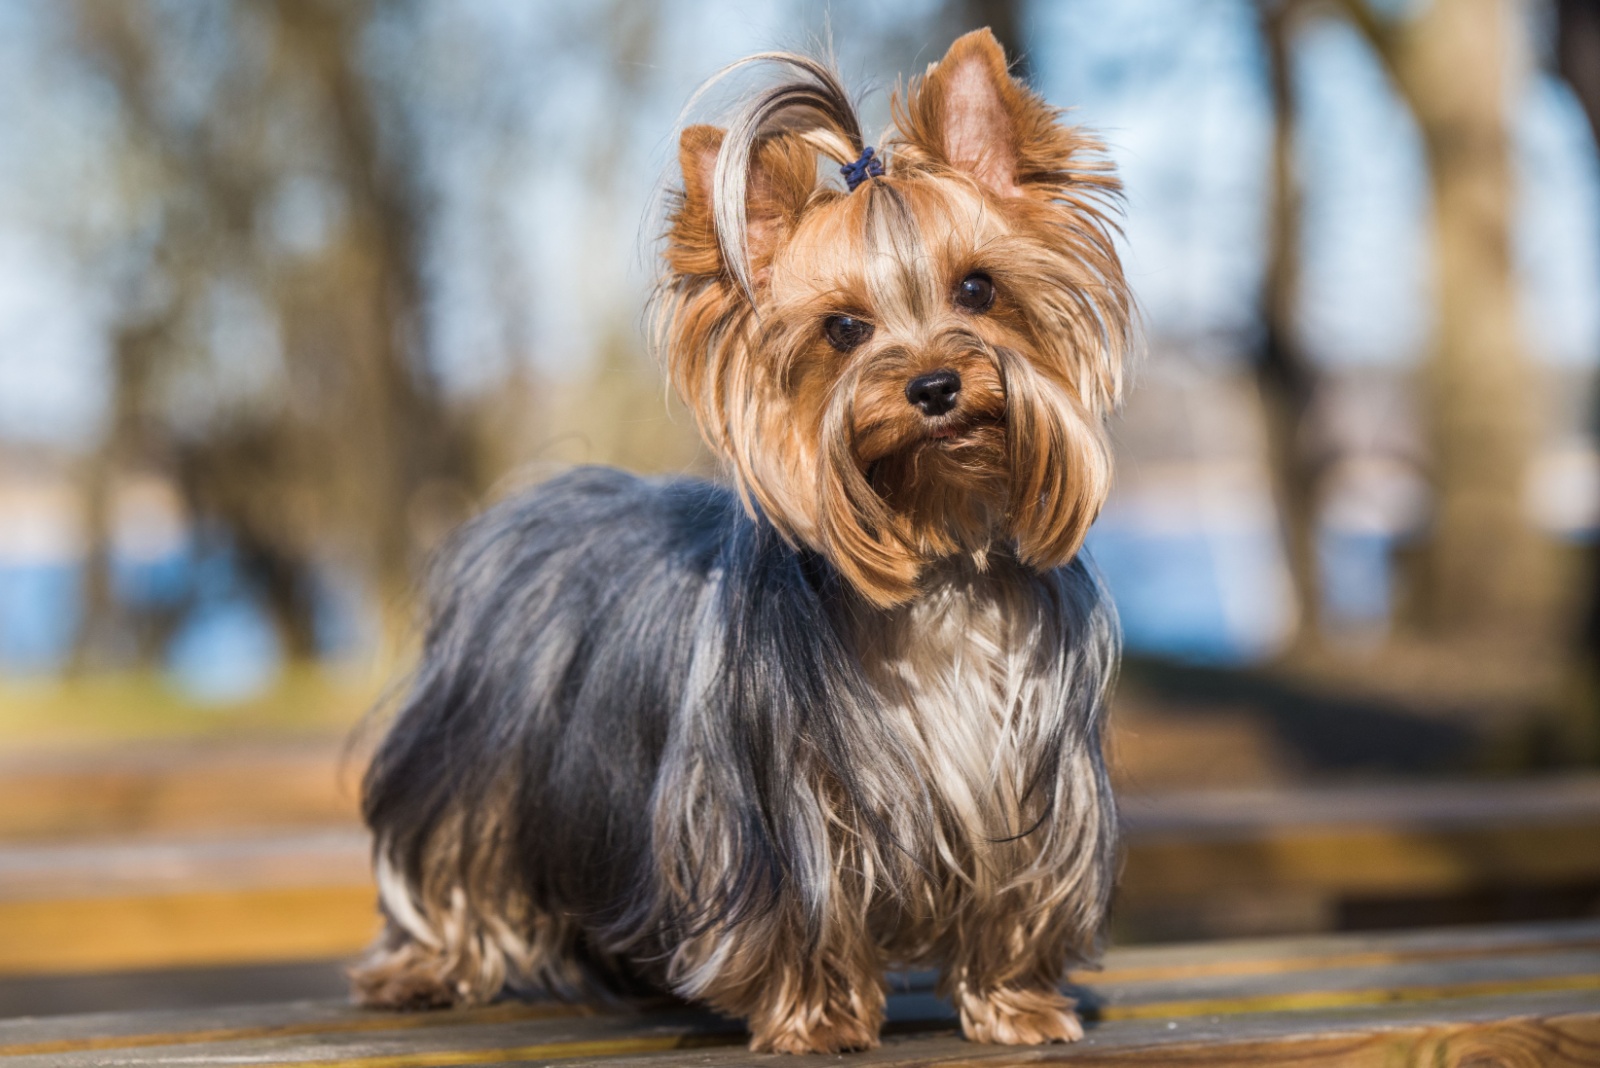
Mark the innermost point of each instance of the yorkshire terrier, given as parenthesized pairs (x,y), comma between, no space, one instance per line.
(755,745)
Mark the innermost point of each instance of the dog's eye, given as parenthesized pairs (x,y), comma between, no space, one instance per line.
(975,293)
(845,332)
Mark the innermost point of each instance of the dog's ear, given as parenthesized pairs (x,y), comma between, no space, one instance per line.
(692,230)
(781,179)
(969,114)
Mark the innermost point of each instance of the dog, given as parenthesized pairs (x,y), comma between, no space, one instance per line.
(752,745)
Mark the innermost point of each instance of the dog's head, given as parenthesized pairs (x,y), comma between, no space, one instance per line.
(919,367)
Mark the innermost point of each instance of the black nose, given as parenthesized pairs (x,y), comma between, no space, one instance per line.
(934,393)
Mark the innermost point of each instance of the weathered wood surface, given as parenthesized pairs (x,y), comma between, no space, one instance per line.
(1527,995)
(299,894)
(149,989)
(1392,839)
(178,788)
(92,934)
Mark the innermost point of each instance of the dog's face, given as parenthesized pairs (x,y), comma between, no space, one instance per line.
(921,367)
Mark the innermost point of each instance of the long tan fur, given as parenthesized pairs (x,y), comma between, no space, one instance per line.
(983,175)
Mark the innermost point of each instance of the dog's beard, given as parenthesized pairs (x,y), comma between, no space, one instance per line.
(947,494)
(1032,471)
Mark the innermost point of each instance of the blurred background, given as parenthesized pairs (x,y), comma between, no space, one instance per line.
(287,289)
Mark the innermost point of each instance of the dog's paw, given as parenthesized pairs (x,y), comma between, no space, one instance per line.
(404,992)
(846,1038)
(829,1029)
(404,977)
(1012,1017)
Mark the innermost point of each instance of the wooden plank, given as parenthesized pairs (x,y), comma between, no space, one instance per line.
(210,927)
(1276,956)
(174,788)
(213,786)
(1339,842)
(1539,1029)
(1210,848)
(1542,1031)
(1360,861)
(130,1030)
(171,904)
(1566,799)
(1337,987)
(485,1034)
(150,989)
(102,1032)
(1267,961)
(337,857)
(1417,996)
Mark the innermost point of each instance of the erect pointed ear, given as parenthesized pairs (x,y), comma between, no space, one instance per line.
(781,178)
(692,231)
(968,113)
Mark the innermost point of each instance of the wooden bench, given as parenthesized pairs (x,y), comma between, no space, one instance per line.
(1229,862)
(252,861)
(1195,864)
(1520,995)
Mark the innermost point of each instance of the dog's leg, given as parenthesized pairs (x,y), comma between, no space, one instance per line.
(438,950)
(824,1005)
(400,972)
(797,997)
(1015,1015)
(1004,977)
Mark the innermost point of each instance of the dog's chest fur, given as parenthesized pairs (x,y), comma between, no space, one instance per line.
(955,677)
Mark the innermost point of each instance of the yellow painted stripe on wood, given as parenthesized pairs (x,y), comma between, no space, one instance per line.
(1326,960)
(1303,1000)
(189,929)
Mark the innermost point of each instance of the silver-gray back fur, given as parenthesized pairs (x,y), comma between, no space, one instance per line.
(648,736)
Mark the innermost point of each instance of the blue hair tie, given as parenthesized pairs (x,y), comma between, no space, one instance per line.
(862,169)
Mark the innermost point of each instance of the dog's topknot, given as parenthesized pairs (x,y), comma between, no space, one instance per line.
(811,102)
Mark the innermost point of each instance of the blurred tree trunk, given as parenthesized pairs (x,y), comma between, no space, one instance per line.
(206,200)
(121,448)
(1578,54)
(409,444)
(1578,59)
(345,457)
(1284,375)
(1485,575)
